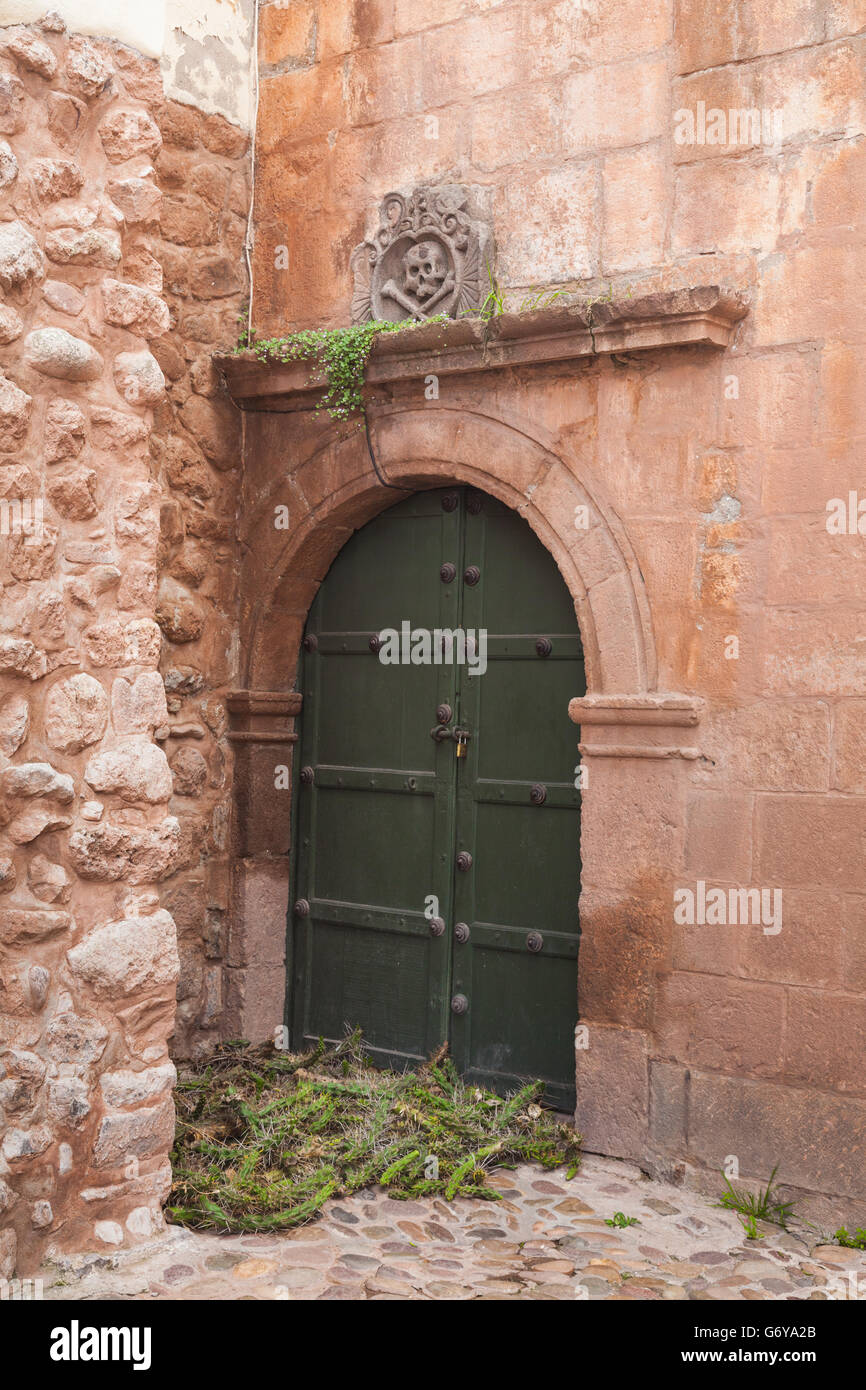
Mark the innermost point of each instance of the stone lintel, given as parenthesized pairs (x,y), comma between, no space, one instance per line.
(705,315)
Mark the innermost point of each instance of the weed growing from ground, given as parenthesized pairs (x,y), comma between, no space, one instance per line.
(760,1206)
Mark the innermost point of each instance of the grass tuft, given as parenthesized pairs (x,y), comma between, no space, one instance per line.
(757,1206)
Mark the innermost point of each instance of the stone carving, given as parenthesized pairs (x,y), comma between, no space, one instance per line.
(428,257)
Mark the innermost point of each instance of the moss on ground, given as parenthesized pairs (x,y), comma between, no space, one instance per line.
(265,1137)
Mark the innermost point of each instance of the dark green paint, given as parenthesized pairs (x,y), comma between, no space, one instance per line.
(389,810)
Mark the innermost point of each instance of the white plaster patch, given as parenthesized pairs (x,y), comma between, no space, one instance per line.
(205,47)
(109,1232)
(140,1222)
(140,26)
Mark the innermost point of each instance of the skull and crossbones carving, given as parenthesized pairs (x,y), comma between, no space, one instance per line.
(427,280)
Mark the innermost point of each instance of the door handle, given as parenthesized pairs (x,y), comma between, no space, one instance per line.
(441,732)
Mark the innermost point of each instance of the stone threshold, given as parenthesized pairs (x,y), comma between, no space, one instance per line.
(700,316)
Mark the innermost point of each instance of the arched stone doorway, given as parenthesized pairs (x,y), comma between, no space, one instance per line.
(436,862)
(634,738)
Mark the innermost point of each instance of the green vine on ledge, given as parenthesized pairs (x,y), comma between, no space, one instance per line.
(342,353)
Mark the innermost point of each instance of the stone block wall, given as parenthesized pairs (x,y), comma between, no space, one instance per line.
(627,149)
(615,151)
(122,223)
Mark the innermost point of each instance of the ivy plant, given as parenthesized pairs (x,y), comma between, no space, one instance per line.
(342,354)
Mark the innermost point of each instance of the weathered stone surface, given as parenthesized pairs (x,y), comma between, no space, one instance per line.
(134,308)
(113,643)
(178,613)
(138,585)
(68,1102)
(136,1135)
(138,707)
(110,852)
(26,924)
(38,981)
(114,429)
(189,771)
(20,257)
(41,1214)
(26,1066)
(75,1039)
(92,246)
(11,325)
(56,353)
(55,178)
(15,408)
(65,298)
(8,1252)
(36,779)
(47,881)
(138,199)
(31,52)
(20,657)
(32,822)
(8,875)
(126,133)
(138,378)
(122,1089)
(8,165)
(14,723)
(135,771)
(32,556)
(22,1144)
(216,426)
(128,956)
(76,713)
(74,494)
(87,72)
(12,96)
(65,429)
(65,119)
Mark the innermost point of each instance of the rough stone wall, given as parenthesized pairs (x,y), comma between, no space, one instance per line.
(565,117)
(121,224)
(203,173)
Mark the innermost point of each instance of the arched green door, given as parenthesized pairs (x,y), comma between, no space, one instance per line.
(437,862)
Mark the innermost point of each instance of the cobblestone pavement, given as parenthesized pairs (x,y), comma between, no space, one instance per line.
(547,1238)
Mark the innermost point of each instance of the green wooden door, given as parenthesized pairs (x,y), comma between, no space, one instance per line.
(437,878)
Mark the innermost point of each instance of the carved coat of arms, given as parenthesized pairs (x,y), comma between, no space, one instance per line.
(427,257)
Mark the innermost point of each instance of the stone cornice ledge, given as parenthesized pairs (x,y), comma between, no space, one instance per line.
(705,315)
(635,726)
(262,716)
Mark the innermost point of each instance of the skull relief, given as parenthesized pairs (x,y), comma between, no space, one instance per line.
(424,270)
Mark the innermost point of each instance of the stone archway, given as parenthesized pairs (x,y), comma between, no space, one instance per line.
(634,741)
(424,448)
